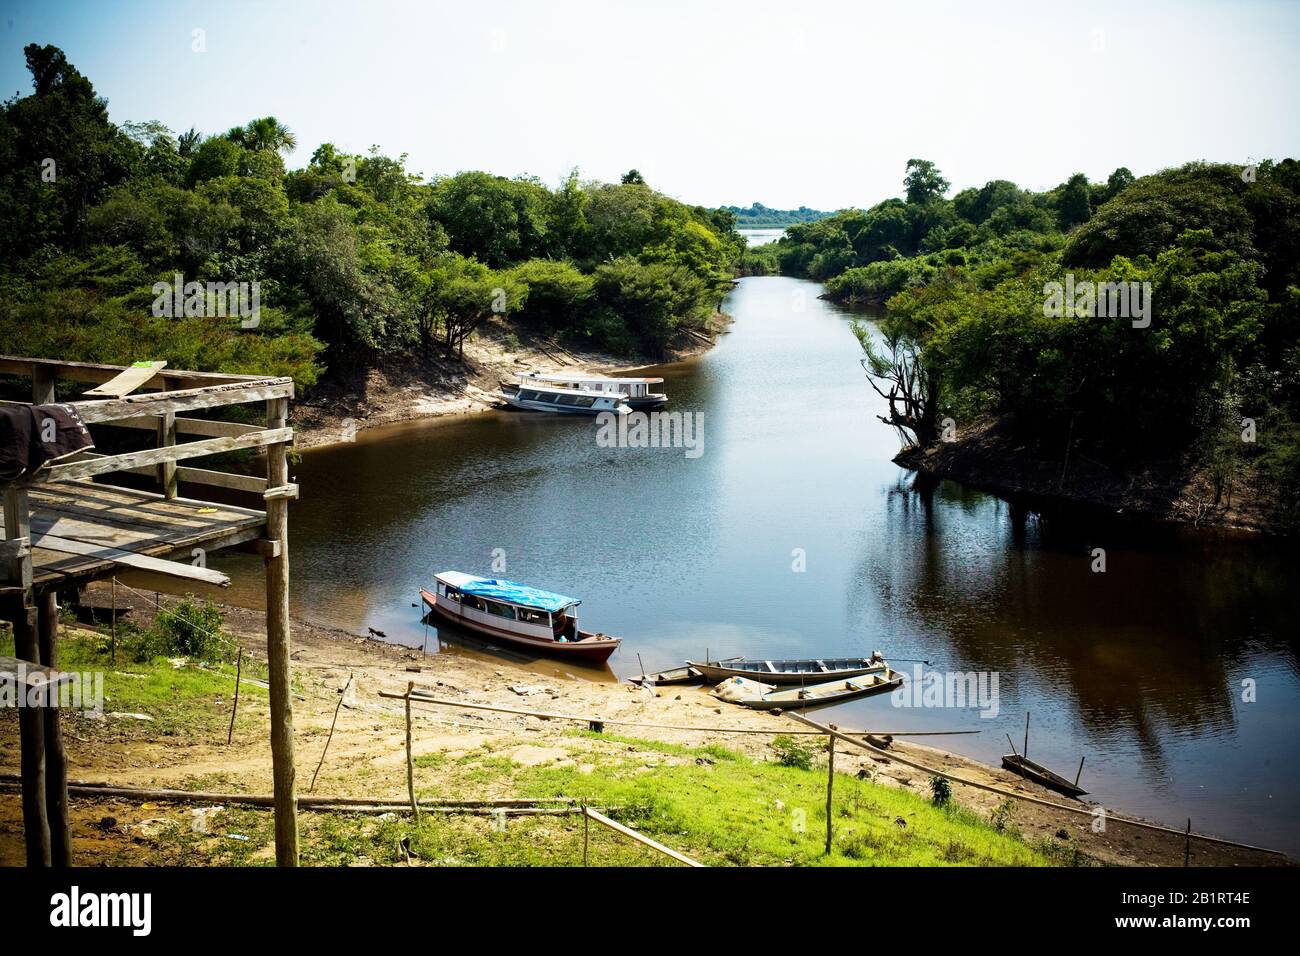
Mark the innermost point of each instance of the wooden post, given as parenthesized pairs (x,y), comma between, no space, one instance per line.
(277,645)
(410,758)
(56,759)
(31,723)
(586,833)
(112,640)
(830,786)
(42,385)
(167,469)
(239,670)
(1026,753)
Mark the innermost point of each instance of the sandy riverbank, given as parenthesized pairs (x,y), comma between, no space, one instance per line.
(432,387)
(367,756)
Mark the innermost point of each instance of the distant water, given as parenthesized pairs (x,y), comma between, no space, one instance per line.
(761,237)
(1140,669)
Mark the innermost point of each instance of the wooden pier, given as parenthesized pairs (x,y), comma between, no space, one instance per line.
(65,525)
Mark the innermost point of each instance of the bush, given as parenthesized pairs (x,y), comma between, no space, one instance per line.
(187,629)
(791,752)
(940,791)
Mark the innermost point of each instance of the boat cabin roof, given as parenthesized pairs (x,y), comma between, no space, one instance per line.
(601,379)
(507,591)
(539,386)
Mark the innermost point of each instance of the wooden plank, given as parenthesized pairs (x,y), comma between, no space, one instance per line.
(184,400)
(128,380)
(222,479)
(639,837)
(90,493)
(155,456)
(36,677)
(14,549)
(94,373)
(210,428)
(131,560)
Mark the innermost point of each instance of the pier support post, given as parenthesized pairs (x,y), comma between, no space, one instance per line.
(277,644)
(31,726)
(56,760)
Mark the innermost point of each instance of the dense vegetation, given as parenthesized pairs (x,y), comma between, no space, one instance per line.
(358,260)
(1213,381)
(759,216)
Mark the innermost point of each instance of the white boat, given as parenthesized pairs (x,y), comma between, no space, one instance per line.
(517,614)
(539,397)
(636,393)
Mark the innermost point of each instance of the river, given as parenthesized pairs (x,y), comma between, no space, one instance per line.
(793,534)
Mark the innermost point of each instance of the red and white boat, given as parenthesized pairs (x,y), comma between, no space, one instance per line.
(517,614)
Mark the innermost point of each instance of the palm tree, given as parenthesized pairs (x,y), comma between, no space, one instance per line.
(186,142)
(264,133)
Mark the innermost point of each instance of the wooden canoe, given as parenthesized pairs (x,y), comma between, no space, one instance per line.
(686,674)
(794,671)
(760,696)
(1041,775)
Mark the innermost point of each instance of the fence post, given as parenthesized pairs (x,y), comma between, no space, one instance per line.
(830,785)
(410,760)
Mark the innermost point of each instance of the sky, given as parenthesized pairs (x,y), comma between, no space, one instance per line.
(785,103)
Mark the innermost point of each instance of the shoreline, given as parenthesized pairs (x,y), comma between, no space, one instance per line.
(367,755)
(432,387)
(1164,494)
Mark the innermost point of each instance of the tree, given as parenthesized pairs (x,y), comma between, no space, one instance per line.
(923,182)
(1073,203)
(266,133)
(633,177)
(465,293)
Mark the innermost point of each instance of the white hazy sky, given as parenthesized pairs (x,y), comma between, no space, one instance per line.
(785,103)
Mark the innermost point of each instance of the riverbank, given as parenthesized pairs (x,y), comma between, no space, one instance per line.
(987,456)
(433,386)
(724,798)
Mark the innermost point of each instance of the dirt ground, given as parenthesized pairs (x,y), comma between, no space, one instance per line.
(433,386)
(367,755)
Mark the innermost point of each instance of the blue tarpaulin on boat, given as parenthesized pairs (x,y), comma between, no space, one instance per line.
(517,594)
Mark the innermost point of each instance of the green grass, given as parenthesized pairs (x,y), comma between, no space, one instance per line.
(716,805)
(184,701)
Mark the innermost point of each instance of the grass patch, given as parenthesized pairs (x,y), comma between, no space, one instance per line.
(185,701)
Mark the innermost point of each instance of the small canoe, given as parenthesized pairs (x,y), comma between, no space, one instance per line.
(760,696)
(685,674)
(799,671)
(1041,775)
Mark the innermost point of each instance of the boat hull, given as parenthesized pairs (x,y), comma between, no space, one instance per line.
(824,694)
(649,401)
(1039,774)
(590,651)
(548,407)
(721,670)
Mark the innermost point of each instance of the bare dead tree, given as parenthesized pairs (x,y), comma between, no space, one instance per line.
(900,377)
